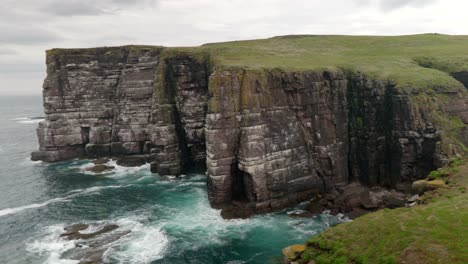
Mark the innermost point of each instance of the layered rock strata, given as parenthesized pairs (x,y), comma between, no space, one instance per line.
(269,138)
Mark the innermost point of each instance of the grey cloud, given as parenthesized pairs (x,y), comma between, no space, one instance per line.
(21,68)
(26,35)
(395,4)
(7,51)
(70,8)
(89,7)
(389,5)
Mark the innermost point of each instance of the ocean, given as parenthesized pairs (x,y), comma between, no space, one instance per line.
(169,220)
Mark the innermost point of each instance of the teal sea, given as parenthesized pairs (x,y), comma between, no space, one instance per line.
(169,219)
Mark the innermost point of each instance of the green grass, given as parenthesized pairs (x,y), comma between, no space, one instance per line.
(413,62)
(451,168)
(432,233)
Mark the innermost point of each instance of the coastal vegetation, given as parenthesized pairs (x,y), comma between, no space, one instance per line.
(434,231)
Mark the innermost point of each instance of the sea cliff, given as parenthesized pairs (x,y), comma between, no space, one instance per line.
(274,121)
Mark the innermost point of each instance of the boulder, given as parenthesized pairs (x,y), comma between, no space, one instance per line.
(393,201)
(413,198)
(367,202)
(422,186)
(435,184)
(293,252)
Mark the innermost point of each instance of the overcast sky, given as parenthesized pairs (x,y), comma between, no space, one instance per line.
(29,27)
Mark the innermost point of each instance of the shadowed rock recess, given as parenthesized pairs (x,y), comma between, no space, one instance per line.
(269,138)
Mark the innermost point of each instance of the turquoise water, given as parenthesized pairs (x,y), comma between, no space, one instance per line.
(170,219)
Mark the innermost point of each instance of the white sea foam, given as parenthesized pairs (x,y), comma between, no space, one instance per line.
(191,184)
(296,211)
(144,244)
(8,211)
(28,120)
(121,171)
(53,246)
(27,161)
(72,194)
(91,229)
(117,172)
(97,189)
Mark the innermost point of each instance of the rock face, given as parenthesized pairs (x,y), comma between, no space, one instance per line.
(269,138)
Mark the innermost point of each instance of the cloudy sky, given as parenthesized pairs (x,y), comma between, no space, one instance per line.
(29,27)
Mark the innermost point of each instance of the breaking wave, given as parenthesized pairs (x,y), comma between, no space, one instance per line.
(29,120)
(72,194)
(15,210)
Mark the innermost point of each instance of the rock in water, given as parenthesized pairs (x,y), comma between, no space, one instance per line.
(132,161)
(93,241)
(80,231)
(74,229)
(100,161)
(100,168)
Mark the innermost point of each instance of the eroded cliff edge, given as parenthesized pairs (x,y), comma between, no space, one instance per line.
(269,138)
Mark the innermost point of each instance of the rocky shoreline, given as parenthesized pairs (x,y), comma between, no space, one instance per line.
(355,200)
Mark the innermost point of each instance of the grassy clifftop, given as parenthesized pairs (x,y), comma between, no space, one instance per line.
(413,61)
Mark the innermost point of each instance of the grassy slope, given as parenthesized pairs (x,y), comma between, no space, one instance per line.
(394,57)
(433,233)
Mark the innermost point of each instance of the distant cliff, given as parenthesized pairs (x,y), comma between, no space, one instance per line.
(269,136)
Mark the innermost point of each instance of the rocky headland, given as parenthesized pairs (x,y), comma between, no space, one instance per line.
(270,127)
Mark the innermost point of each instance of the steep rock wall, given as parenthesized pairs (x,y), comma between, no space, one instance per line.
(179,110)
(274,138)
(124,101)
